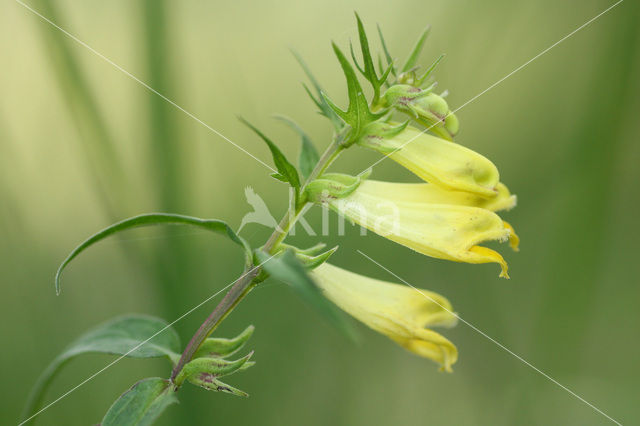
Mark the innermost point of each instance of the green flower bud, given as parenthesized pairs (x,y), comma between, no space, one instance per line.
(424,106)
(402,95)
(452,124)
(214,367)
(433,104)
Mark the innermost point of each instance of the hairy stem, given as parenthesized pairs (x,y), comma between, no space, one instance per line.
(243,285)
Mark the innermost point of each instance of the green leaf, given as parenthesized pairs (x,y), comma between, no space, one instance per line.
(120,336)
(142,404)
(358,114)
(387,55)
(369,70)
(429,70)
(324,107)
(152,219)
(289,270)
(415,52)
(219,347)
(286,171)
(308,154)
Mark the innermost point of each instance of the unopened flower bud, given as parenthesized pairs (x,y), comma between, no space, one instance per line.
(452,124)
(432,104)
(402,95)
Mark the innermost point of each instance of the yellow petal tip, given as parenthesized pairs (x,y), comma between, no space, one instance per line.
(514,240)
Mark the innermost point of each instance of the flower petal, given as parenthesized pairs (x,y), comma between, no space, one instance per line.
(397,311)
(443,231)
(434,194)
(438,161)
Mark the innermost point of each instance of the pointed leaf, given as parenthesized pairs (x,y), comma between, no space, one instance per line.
(142,404)
(355,60)
(217,347)
(358,113)
(369,69)
(387,55)
(153,219)
(308,154)
(430,70)
(120,336)
(289,270)
(285,168)
(415,52)
(319,101)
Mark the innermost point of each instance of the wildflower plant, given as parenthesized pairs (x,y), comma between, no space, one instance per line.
(448,216)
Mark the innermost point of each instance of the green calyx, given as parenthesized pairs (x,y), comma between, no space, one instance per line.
(378,133)
(208,363)
(311,257)
(217,347)
(331,186)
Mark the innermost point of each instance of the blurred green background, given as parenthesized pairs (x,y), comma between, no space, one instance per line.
(83,145)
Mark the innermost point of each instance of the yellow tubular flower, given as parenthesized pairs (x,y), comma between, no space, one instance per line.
(397,311)
(438,161)
(444,231)
(429,193)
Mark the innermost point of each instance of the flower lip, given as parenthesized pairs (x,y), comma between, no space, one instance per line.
(397,311)
(446,231)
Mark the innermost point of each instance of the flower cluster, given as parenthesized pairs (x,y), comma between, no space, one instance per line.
(448,216)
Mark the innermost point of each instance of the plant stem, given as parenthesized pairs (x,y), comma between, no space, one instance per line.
(243,285)
(239,289)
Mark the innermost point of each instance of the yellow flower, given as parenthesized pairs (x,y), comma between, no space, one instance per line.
(397,311)
(430,193)
(445,225)
(437,160)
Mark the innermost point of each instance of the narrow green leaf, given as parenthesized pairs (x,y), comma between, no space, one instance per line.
(369,69)
(289,270)
(325,109)
(309,156)
(142,404)
(120,336)
(387,55)
(217,347)
(285,168)
(152,219)
(358,114)
(430,70)
(355,60)
(415,52)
